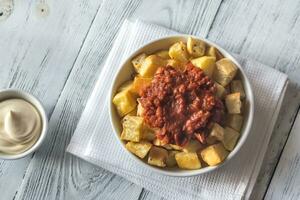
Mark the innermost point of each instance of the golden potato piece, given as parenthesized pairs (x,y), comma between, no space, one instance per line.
(158,156)
(148,133)
(176,147)
(133,112)
(211,140)
(237,86)
(225,71)
(188,160)
(140,109)
(234,121)
(195,47)
(217,132)
(164,54)
(159,143)
(221,91)
(206,63)
(178,52)
(132,128)
(150,65)
(212,51)
(124,102)
(138,61)
(192,146)
(171,161)
(230,138)
(233,103)
(176,64)
(214,154)
(125,86)
(140,149)
(139,83)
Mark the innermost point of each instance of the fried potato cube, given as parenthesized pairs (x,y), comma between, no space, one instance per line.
(206,63)
(148,133)
(237,86)
(233,103)
(171,161)
(125,86)
(124,102)
(133,112)
(230,138)
(164,54)
(138,61)
(211,140)
(225,71)
(212,51)
(234,121)
(176,147)
(150,65)
(140,149)
(217,132)
(188,160)
(158,156)
(221,91)
(139,83)
(132,128)
(176,64)
(140,109)
(214,154)
(159,143)
(178,52)
(195,47)
(192,146)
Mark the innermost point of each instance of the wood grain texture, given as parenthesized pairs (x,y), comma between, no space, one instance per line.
(286,180)
(266,31)
(55,174)
(190,17)
(37,55)
(51,172)
(41,52)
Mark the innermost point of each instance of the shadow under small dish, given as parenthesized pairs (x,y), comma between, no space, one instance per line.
(181,105)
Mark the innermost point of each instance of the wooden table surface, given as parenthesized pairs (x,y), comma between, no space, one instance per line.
(55,50)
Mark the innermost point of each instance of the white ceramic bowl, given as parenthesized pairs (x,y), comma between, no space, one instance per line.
(18,94)
(125,72)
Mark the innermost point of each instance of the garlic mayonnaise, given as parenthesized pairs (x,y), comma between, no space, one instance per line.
(20,126)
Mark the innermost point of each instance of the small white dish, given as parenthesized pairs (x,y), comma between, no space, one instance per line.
(18,94)
(125,72)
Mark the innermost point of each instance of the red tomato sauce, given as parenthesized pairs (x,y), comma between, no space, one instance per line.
(181,104)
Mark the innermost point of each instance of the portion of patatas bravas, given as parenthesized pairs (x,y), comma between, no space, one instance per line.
(183,108)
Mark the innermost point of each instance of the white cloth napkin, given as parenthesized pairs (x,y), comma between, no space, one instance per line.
(95,142)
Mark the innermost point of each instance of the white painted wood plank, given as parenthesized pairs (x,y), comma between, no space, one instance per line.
(233,25)
(37,55)
(146,195)
(55,174)
(285,183)
(266,31)
(190,17)
(51,172)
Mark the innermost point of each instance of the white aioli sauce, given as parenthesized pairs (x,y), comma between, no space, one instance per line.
(20,126)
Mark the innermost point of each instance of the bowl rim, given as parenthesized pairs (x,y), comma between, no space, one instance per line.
(17,93)
(242,138)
